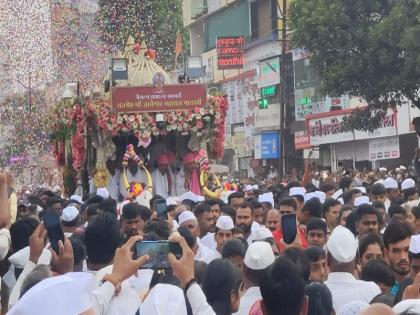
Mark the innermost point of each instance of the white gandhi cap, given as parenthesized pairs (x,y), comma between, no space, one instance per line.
(259,256)
(390,183)
(297,191)
(342,245)
(225,223)
(69,214)
(415,244)
(361,200)
(76,198)
(103,192)
(262,234)
(186,216)
(408,183)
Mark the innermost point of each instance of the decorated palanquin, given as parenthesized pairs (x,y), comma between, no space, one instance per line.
(140,118)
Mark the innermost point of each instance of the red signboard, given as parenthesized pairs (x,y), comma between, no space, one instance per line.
(149,98)
(230,52)
(302,140)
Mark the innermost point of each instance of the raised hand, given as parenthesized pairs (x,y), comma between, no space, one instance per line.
(37,243)
(64,261)
(183,268)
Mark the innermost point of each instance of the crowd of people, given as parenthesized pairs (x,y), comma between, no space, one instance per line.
(356,249)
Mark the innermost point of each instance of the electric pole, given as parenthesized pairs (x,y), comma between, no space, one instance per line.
(282,166)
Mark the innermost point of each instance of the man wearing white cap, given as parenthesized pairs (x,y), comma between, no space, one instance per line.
(392,191)
(188,220)
(341,258)
(223,233)
(258,258)
(408,187)
(77,199)
(70,220)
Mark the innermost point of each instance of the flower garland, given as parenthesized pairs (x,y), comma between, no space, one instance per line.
(206,122)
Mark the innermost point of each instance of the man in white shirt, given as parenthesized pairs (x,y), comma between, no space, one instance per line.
(188,220)
(392,190)
(179,182)
(70,220)
(134,175)
(113,180)
(163,179)
(223,233)
(258,258)
(342,249)
(244,220)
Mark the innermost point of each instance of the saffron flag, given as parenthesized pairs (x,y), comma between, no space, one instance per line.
(178,45)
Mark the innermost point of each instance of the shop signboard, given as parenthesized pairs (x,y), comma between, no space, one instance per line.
(149,98)
(230,52)
(302,140)
(329,128)
(384,148)
(270,145)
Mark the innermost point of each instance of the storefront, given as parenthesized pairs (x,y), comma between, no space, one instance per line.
(356,149)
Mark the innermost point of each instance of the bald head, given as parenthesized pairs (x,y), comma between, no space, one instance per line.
(378,308)
(273,220)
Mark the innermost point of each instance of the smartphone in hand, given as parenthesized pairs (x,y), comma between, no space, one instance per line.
(55,232)
(161,208)
(158,253)
(289,227)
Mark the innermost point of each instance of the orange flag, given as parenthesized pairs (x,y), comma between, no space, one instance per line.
(178,45)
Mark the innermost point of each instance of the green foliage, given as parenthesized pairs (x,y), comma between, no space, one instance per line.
(366,48)
(155,21)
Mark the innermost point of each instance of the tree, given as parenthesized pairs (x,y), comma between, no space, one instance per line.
(365,48)
(155,21)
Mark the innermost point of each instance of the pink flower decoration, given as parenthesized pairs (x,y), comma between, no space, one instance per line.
(199,124)
(197,110)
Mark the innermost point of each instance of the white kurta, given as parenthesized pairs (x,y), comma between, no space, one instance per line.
(209,241)
(179,183)
(203,251)
(140,177)
(215,255)
(345,288)
(160,184)
(114,185)
(251,296)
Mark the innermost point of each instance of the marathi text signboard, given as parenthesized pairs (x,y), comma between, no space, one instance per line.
(302,140)
(165,98)
(329,128)
(384,148)
(270,145)
(230,52)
